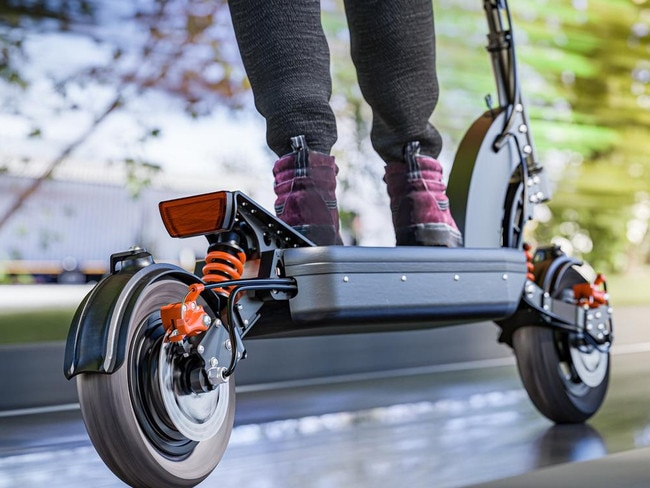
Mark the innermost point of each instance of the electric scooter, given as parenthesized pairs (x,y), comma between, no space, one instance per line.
(155,348)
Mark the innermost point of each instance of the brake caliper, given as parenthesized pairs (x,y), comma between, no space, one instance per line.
(592,295)
(186,318)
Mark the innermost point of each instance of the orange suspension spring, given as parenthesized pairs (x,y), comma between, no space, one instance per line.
(224,265)
(530,267)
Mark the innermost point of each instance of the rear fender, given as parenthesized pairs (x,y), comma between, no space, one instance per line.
(97,337)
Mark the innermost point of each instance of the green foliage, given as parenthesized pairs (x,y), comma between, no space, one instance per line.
(584,67)
(595,59)
(585,71)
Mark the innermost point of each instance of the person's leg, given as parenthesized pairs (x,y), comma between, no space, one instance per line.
(393,49)
(286,57)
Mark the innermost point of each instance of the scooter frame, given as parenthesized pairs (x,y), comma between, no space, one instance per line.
(292,287)
(495,163)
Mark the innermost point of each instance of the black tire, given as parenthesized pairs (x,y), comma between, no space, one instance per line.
(565,378)
(129,423)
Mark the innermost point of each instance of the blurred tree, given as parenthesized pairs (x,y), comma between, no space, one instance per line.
(585,72)
(584,67)
(176,47)
(592,115)
(561,68)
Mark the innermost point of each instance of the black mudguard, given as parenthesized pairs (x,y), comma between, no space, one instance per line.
(479,179)
(481,176)
(97,337)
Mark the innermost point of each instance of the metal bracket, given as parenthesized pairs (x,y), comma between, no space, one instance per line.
(132,260)
(270,232)
(216,350)
(538,308)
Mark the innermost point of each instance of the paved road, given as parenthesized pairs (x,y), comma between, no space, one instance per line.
(445,425)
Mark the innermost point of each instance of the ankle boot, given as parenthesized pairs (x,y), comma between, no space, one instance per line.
(418,202)
(305,184)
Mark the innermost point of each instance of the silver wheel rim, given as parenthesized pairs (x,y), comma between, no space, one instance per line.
(197,416)
(591,365)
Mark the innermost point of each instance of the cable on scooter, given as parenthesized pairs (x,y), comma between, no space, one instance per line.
(512,69)
(236,287)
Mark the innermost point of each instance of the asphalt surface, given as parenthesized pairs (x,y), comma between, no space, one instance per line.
(444,425)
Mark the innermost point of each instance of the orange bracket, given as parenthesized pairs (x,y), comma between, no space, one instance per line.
(186,318)
(593,295)
(530,267)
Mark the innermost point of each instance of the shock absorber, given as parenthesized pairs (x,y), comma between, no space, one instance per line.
(224,261)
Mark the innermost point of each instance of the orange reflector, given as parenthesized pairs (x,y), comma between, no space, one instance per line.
(197,215)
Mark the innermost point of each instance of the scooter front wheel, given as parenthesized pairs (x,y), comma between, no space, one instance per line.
(145,427)
(565,377)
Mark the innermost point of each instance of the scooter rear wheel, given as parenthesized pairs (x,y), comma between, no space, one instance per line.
(565,378)
(145,430)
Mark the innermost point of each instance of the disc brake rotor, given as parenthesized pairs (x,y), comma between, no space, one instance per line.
(197,416)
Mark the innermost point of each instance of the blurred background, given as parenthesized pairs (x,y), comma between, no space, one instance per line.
(106,108)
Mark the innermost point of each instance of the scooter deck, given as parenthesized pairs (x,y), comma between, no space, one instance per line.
(363,289)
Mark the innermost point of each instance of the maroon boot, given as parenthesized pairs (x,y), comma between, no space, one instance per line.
(305,184)
(418,202)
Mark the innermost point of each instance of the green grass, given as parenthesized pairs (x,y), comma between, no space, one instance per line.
(35,326)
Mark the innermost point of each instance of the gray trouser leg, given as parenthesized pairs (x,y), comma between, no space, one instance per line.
(286,57)
(393,49)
